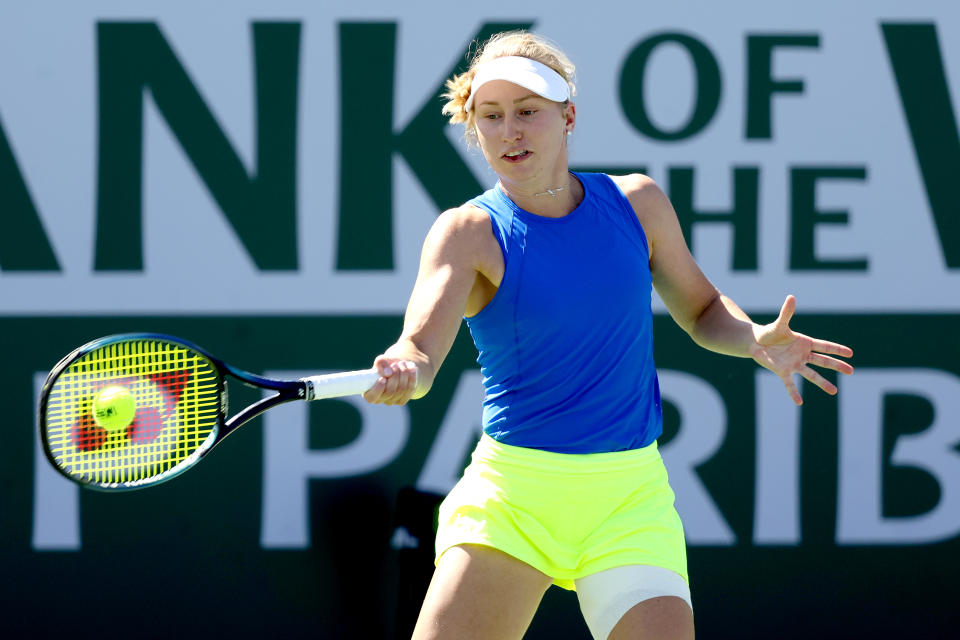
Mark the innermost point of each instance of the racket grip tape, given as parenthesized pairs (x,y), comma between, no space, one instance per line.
(335,385)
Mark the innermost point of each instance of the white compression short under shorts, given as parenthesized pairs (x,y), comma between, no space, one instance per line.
(607,595)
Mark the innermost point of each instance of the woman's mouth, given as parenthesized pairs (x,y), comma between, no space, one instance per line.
(517,156)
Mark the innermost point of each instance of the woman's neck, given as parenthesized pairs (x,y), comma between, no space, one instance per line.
(551,199)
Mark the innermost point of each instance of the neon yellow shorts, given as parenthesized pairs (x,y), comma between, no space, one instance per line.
(567,515)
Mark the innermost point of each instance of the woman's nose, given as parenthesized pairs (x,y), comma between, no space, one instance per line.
(511,128)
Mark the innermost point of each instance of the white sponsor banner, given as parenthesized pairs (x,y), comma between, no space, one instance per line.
(840,164)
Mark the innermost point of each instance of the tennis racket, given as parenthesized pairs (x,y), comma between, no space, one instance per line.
(134,410)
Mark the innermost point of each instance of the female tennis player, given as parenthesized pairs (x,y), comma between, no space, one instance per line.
(553,272)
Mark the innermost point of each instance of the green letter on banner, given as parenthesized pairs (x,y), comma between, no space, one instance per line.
(760,84)
(742,216)
(918,67)
(368,142)
(23,243)
(805,217)
(708,86)
(261,208)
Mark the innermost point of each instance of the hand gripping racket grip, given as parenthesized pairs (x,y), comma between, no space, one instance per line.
(334,385)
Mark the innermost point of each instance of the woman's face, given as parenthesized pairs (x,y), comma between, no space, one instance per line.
(522,135)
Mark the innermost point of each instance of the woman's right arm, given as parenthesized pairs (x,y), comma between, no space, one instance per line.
(453,258)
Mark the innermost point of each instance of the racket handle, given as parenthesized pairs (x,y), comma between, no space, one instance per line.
(334,385)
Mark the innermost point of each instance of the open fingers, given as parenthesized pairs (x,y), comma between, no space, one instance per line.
(832,348)
(792,389)
(830,363)
(814,377)
(787,311)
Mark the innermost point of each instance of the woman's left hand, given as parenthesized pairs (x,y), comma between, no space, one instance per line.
(786,353)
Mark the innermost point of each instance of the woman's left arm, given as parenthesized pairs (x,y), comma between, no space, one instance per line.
(713,320)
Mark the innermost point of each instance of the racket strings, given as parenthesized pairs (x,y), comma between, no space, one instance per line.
(177,399)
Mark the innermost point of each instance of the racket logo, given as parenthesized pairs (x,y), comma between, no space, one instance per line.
(156,398)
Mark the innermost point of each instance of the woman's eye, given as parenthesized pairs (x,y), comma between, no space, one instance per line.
(492,116)
(528,112)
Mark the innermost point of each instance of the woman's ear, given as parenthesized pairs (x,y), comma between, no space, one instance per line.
(569,117)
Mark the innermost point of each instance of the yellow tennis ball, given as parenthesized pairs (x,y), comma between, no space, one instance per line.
(114,408)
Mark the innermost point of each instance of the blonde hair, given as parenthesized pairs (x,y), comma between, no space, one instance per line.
(508,43)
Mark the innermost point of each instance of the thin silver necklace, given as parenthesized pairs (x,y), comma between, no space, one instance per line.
(550,192)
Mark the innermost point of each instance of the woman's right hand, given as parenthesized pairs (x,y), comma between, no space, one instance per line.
(397,383)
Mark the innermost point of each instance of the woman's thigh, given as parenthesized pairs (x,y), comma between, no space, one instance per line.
(664,618)
(480,592)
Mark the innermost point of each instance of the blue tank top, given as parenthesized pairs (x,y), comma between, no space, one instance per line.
(566,344)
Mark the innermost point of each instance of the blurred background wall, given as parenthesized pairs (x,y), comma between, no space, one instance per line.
(257,178)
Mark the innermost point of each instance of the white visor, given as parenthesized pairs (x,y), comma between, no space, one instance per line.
(527,73)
